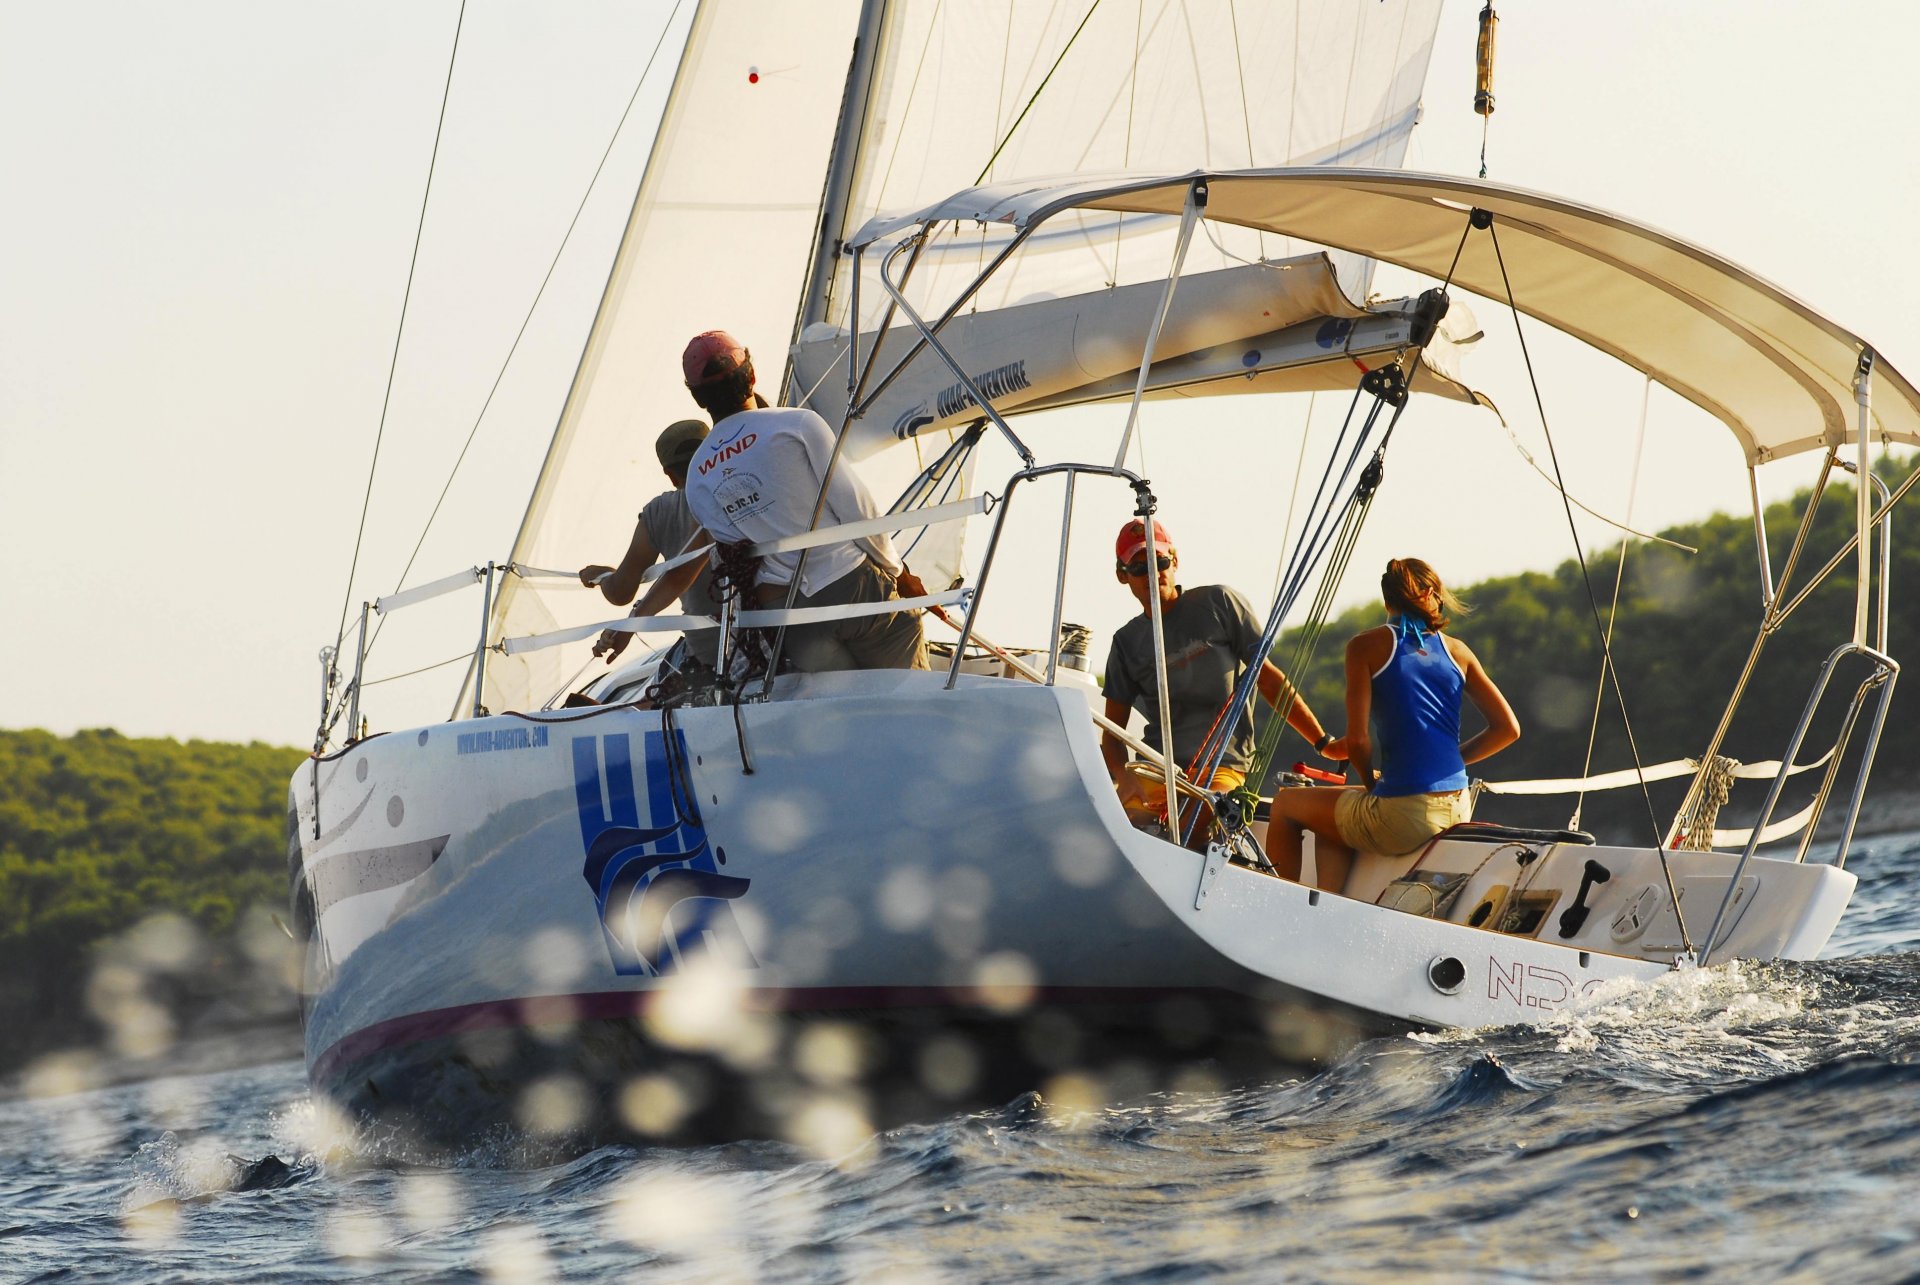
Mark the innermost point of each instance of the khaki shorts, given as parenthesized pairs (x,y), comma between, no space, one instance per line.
(1394,826)
(858,642)
(1152,802)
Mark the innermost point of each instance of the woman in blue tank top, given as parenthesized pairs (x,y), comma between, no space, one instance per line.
(1407,679)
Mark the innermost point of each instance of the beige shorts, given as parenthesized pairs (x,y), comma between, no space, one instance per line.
(1396,825)
(1151,802)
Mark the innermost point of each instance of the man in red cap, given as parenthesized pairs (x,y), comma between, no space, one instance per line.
(1210,634)
(757,477)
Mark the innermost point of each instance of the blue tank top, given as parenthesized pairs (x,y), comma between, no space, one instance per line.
(1416,707)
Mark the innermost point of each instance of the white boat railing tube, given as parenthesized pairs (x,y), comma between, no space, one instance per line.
(1060,583)
(359,669)
(1760,539)
(1145,510)
(974,391)
(858,397)
(993,546)
(1888,669)
(1863,397)
(1189,215)
(329,675)
(480,648)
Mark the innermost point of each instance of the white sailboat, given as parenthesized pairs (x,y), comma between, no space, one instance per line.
(893,886)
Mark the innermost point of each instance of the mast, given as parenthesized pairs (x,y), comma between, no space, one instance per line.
(847,136)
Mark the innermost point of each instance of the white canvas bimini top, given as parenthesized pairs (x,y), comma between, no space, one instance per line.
(1778,374)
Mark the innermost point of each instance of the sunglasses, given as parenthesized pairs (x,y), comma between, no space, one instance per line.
(1162,561)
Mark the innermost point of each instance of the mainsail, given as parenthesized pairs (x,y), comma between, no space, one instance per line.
(718,237)
(725,228)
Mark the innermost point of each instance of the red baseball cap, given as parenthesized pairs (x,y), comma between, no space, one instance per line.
(1132,541)
(711,355)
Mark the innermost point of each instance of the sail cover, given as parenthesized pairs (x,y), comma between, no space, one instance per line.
(718,238)
(1775,372)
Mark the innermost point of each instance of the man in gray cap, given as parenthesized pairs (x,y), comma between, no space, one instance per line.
(665,530)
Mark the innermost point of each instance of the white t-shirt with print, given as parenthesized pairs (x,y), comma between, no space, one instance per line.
(757,476)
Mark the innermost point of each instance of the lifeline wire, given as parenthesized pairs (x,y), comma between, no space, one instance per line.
(1613,611)
(1593,602)
(981,177)
(393,363)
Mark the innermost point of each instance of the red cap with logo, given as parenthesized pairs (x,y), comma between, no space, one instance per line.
(711,355)
(1132,541)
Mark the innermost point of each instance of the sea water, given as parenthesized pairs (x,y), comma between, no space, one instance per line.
(1741,1123)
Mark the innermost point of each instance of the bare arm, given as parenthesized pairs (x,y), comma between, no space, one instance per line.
(1114,750)
(1502,728)
(1362,659)
(661,593)
(1281,694)
(618,584)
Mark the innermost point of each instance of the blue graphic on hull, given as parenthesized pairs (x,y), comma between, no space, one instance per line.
(658,885)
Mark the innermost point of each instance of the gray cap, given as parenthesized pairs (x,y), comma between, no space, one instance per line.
(679,442)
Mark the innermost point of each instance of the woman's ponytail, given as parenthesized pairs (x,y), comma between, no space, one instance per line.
(1406,581)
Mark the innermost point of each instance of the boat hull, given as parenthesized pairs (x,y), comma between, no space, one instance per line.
(870,890)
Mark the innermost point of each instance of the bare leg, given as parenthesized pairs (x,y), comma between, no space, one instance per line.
(1297,810)
(1331,861)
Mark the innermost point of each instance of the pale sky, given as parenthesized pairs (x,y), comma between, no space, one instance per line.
(211,208)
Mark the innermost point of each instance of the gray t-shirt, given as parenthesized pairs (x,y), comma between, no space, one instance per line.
(670,525)
(1210,633)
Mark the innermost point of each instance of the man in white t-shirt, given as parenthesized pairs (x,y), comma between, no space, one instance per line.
(757,477)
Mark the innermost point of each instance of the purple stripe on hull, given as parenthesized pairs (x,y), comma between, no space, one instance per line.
(550,1010)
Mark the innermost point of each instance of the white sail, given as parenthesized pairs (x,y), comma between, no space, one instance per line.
(718,238)
(1043,92)
(724,225)
(972,94)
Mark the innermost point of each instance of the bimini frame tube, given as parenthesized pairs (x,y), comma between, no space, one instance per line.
(1760,538)
(1769,621)
(980,398)
(1060,582)
(1863,397)
(1196,202)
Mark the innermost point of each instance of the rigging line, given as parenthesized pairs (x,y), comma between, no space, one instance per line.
(1613,611)
(1308,553)
(438,664)
(1464,233)
(1293,497)
(386,400)
(1581,504)
(1246,115)
(900,135)
(513,348)
(1038,90)
(1126,145)
(1606,652)
(999,106)
(1293,85)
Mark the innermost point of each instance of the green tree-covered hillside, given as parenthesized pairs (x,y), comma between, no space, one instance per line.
(97,833)
(1683,629)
